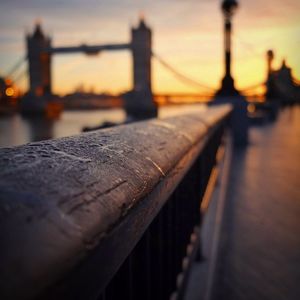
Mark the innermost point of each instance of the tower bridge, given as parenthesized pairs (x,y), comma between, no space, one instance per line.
(40,51)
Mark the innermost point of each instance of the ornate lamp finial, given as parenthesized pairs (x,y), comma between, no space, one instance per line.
(229,7)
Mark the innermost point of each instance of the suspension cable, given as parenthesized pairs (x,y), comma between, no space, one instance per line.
(179,75)
(16,66)
(20,76)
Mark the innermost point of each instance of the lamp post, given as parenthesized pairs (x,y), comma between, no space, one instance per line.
(270,57)
(227,88)
(228,93)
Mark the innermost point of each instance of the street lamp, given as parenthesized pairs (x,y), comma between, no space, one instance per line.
(228,8)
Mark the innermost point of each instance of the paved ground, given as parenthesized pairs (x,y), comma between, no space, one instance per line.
(260,256)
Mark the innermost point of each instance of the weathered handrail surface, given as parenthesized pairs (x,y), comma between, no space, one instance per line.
(89,198)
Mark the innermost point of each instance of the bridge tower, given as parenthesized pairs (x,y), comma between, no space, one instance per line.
(141,43)
(140,101)
(39,62)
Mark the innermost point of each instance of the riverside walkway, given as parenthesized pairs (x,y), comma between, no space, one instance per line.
(260,253)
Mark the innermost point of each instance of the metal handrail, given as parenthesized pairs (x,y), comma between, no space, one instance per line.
(73,209)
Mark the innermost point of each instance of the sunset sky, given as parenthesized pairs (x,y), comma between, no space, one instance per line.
(187,33)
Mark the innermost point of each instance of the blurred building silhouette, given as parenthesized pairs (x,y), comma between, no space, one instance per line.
(281,85)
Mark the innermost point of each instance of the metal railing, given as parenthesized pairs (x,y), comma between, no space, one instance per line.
(109,214)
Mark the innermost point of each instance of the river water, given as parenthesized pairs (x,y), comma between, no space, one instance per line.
(17,130)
